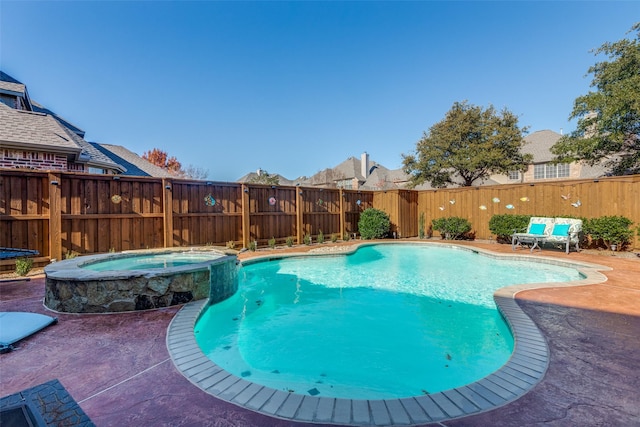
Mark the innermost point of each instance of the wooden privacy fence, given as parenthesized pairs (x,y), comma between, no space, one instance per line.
(61,213)
(575,198)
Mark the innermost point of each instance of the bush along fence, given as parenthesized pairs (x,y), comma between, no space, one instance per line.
(66,214)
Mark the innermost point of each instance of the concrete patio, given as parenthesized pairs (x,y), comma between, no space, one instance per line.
(117,367)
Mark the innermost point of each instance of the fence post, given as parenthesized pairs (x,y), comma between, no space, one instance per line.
(299,215)
(167,208)
(342,214)
(55,217)
(246,220)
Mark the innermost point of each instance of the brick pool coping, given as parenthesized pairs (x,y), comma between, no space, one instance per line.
(524,369)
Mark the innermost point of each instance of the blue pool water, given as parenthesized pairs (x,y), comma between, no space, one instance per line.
(150,261)
(389,321)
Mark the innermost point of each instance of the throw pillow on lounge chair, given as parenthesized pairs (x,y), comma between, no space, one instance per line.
(560,230)
(537,228)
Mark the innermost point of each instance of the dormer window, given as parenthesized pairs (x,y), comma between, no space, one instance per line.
(9,100)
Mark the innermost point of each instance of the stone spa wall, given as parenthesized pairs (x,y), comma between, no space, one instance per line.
(71,289)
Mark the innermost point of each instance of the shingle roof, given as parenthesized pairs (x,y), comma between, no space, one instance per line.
(9,83)
(134,165)
(26,129)
(384,179)
(23,128)
(253,175)
(96,157)
(40,109)
(539,145)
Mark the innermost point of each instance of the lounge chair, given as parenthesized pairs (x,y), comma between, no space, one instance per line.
(537,230)
(564,231)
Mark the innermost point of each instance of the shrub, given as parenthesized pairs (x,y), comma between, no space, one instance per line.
(231,244)
(334,237)
(612,230)
(306,239)
(320,237)
(421,224)
(451,228)
(253,246)
(272,243)
(290,241)
(373,224)
(504,225)
(346,236)
(23,266)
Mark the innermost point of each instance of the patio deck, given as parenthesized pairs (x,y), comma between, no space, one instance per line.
(117,367)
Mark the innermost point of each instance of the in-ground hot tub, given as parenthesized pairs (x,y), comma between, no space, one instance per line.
(139,280)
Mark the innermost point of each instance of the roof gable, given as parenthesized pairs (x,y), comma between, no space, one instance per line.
(539,144)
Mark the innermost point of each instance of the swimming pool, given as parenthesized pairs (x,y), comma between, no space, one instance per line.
(524,369)
(389,321)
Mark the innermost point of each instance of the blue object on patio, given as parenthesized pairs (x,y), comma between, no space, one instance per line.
(10,253)
(561,230)
(16,325)
(537,228)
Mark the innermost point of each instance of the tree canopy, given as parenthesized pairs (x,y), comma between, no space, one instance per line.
(469,144)
(608,127)
(160,158)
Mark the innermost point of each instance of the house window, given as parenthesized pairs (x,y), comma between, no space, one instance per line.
(563,170)
(514,175)
(347,184)
(549,171)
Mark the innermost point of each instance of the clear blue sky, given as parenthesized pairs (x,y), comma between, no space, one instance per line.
(295,87)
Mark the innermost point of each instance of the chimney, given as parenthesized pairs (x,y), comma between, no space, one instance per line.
(364,165)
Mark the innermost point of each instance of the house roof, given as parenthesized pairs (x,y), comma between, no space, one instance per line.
(348,169)
(281,179)
(42,130)
(133,164)
(20,129)
(382,178)
(10,84)
(539,144)
(40,109)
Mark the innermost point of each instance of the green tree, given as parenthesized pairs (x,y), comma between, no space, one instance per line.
(608,127)
(469,144)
